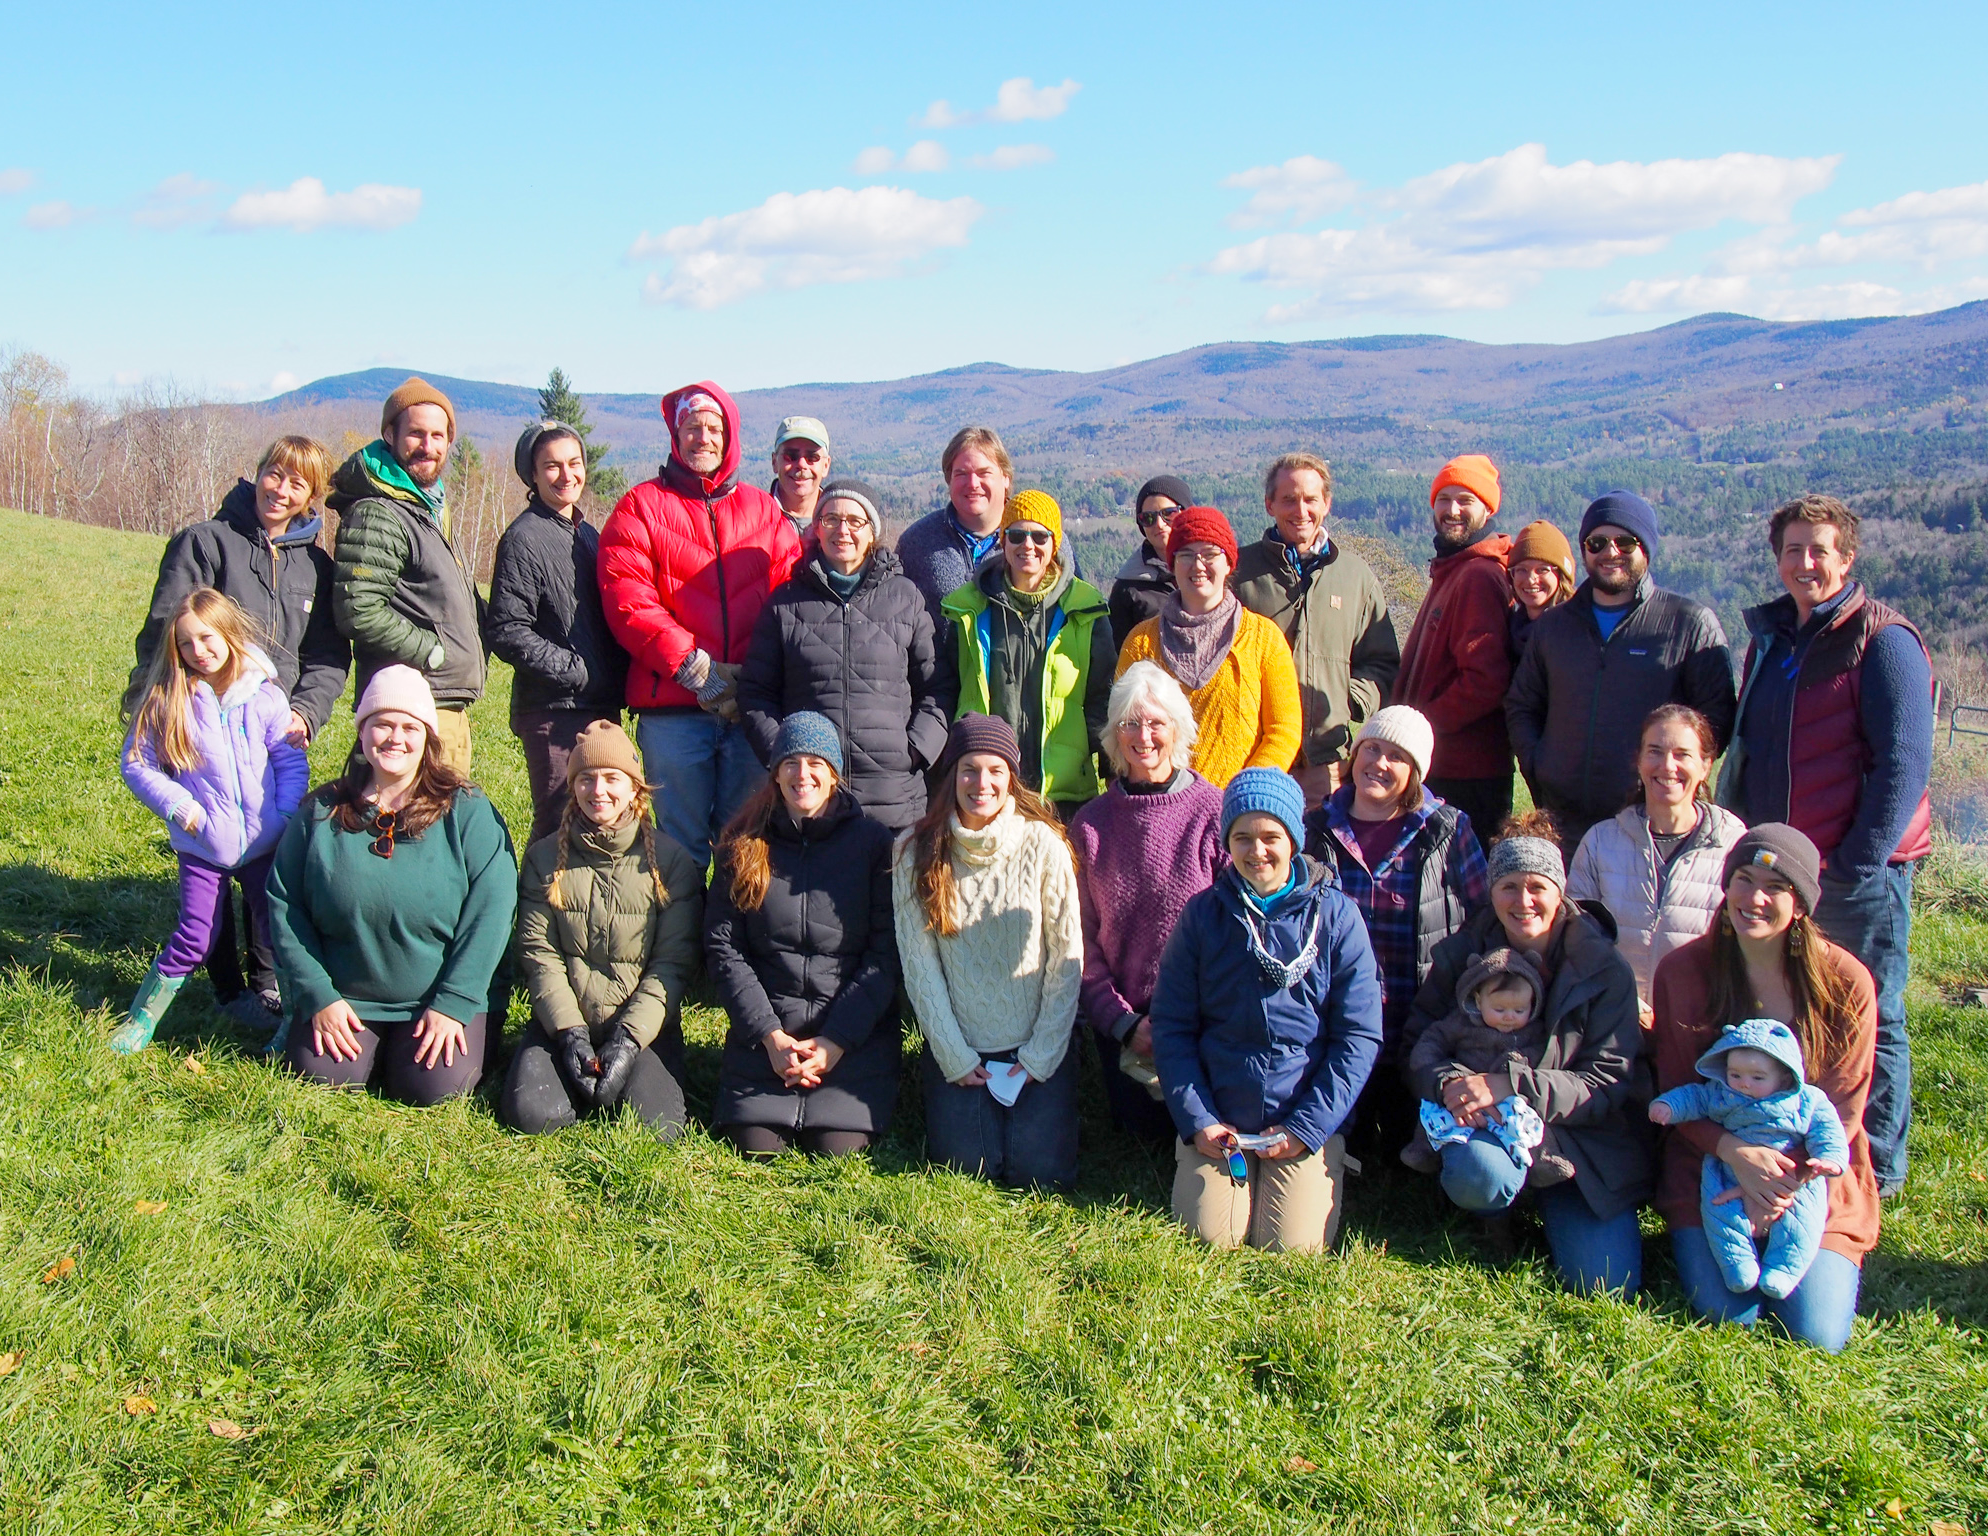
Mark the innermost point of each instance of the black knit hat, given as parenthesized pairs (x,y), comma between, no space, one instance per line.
(981,733)
(1627,511)
(1170,486)
(524,456)
(1783,850)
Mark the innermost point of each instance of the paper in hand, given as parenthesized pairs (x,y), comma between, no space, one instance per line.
(1005,1080)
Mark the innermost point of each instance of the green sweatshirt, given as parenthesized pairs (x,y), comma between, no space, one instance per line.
(394,937)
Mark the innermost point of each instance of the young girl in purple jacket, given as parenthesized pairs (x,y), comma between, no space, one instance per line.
(208,754)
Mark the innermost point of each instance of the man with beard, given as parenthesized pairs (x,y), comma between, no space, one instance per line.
(1456,666)
(399,590)
(1598,663)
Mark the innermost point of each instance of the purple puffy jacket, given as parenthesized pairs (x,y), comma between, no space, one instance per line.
(250,779)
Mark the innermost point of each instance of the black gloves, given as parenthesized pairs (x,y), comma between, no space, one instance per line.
(575,1055)
(617,1061)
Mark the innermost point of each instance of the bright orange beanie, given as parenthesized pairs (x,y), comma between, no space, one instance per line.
(1474,473)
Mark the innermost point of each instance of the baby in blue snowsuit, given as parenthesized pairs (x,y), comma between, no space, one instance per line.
(1754,1089)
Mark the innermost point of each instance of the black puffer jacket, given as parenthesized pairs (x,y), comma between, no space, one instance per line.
(868,664)
(1138,590)
(544,616)
(283,585)
(817,958)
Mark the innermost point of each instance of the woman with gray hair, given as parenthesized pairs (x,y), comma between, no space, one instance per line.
(1584,1084)
(1144,847)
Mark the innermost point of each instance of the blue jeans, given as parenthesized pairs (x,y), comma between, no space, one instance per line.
(1031,1144)
(703,770)
(1873,921)
(1819,1311)
(1590,1252)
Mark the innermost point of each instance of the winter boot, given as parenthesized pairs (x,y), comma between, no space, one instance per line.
(155,995)
(1419,1155)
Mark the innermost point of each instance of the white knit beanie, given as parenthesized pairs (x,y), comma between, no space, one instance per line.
(1402,727)
(404,689)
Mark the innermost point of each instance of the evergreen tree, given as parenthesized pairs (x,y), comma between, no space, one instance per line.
(560,402)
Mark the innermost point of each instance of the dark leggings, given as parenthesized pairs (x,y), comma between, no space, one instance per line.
(386,1063)
(765,1141)
(535,1098)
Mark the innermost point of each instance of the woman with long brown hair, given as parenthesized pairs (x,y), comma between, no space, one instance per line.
(390,906)
(990,931)
(1765,958)
(799,938)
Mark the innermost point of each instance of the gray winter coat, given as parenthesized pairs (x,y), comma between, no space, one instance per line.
(869,664)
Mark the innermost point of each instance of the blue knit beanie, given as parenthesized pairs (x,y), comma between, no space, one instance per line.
(807,734)
(1627,511)
(1269,790)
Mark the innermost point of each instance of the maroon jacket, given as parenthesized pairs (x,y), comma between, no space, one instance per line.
(1455,668)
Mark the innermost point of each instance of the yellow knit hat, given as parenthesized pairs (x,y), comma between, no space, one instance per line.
(1034,507)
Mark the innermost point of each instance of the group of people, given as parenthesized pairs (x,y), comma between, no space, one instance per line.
(1220,818)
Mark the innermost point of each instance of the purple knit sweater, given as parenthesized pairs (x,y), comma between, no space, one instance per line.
(1139,860)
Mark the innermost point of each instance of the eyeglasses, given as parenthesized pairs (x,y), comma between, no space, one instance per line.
(1205,562)
(386,827)
(1602,543)
(842,524)
(1159,515)
(1136,728)
(1042,538)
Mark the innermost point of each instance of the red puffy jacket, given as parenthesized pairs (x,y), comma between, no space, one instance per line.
(686,563)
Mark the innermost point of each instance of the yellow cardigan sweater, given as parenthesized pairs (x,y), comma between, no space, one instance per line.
(1249,715)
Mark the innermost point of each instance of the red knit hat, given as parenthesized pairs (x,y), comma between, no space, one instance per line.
(1473,473)
(1202,525)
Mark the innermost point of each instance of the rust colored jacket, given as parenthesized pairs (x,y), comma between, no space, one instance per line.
(1456,666)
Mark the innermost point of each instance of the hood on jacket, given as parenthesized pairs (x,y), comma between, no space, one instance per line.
(374,474)
(1768,1036)
(237,510)
(1518,964)
(687,480)
(1143,566)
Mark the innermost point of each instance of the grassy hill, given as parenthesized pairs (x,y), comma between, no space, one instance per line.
(231,1302)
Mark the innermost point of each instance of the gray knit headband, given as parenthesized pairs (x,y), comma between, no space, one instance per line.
(843,493)
(1527,856)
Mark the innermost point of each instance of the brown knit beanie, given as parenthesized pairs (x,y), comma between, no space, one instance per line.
(1542,541)
(1782,850)
(415,392)
(604,744)
(981,733)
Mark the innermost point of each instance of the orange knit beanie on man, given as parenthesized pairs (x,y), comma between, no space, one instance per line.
(1474,473)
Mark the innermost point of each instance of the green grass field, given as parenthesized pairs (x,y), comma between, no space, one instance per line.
(351,1316)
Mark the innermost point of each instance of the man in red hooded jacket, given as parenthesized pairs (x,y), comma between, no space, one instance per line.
(1455,668)
(687,560)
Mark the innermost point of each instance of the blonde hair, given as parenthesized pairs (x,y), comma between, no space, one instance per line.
(165,696)
(571,821)
(305,457)
(1295,461)
(1148,682)
(987,440)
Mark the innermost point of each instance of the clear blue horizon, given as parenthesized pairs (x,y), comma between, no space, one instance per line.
(243,200)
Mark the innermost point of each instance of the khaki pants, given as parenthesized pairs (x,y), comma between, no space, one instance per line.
(454,738)
(1290,1205)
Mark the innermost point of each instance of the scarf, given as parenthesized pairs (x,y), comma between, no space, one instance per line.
(385,471)
(1194,645)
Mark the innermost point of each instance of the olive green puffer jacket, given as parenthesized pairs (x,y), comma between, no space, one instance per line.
(610,953)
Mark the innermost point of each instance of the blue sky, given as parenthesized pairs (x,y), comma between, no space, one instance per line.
(241,198)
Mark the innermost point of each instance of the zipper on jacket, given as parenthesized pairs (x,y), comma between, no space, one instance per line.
(724,601)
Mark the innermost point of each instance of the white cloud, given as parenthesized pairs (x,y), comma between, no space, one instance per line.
(925,156)
(178,200)
(1013,157)
(1019,100)
(305,205)
(56,215)
(875,161)
(1477,235)
(16,181)
(1303,188)
(799,239)
(283,383)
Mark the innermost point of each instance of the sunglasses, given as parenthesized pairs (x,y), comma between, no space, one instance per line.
(386,827)
(1238,1168)
(1148,519)
(1039,537)
(793,455)
(1601,543)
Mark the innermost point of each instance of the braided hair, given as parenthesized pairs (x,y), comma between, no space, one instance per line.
(573,822)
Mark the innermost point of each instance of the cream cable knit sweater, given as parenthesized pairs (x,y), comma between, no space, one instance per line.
(1009,977)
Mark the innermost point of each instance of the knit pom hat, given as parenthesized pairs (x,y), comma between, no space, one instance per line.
(805,733)
(1170,486)
(604,744)
(403,689)
(1627,511)
(415,392)
(1403,727)
(1783,850)
(1271,791)
(981,733)
(1768,1036)
(1526,856)
(1035,507)
(524,457)
(857,494)
(1516,964)
(1474,473)
(1202,525)
(1543,541)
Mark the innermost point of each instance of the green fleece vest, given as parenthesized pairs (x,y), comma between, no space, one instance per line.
(1069,768)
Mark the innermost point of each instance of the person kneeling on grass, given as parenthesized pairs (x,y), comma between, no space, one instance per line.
(1753,1088)
(608,917)
(802,948)
(1266,1022)
(390,903)
(209,754)
(991,937)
